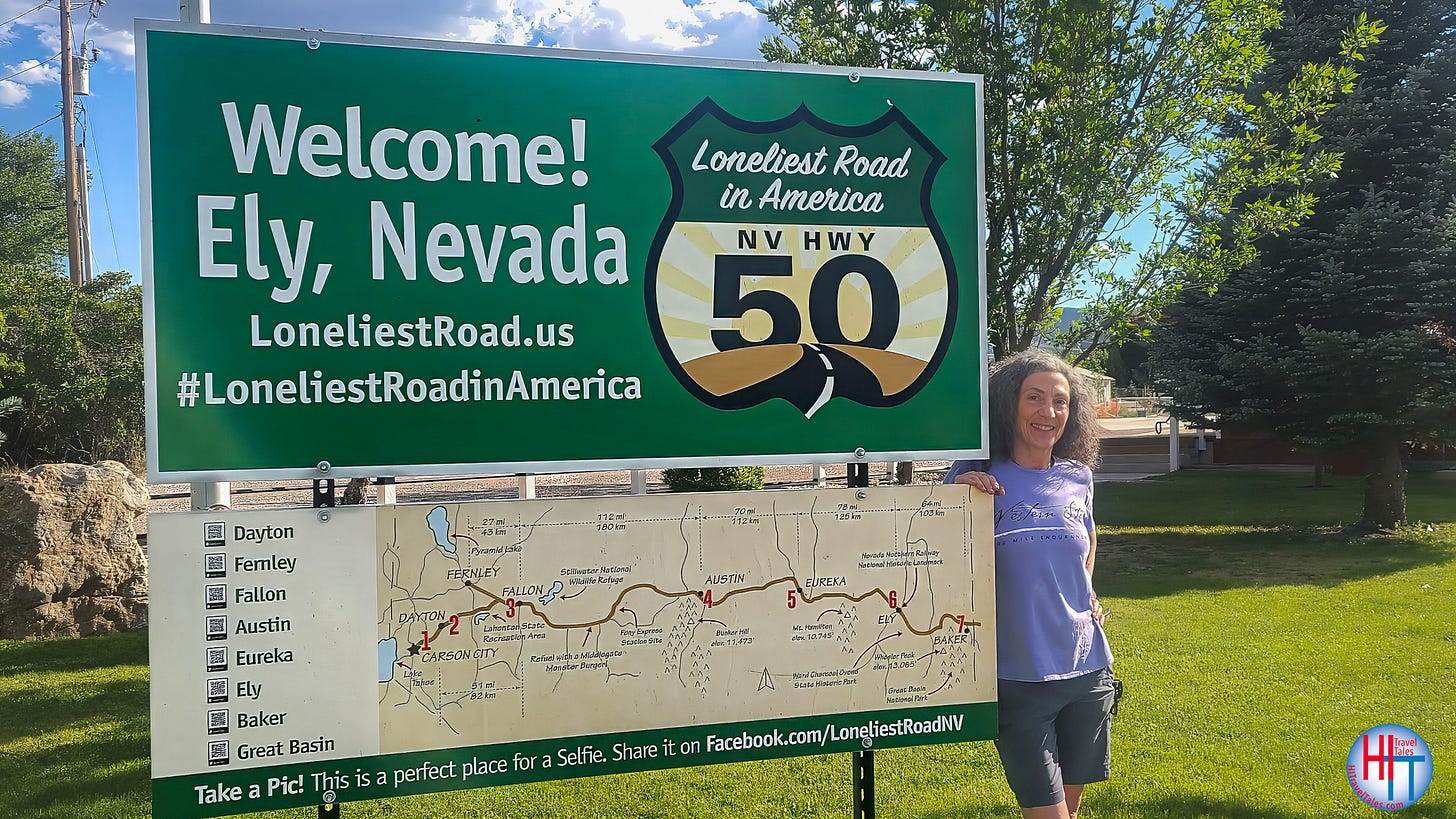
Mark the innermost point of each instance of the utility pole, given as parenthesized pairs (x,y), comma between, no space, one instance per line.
(68,135)
(83,182)
(81,87)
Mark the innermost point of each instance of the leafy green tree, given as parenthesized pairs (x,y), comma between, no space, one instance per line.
(1098,111)
(70,358)
(32,208)
(77,368)
(1343,332)
(713,478)
(32,202)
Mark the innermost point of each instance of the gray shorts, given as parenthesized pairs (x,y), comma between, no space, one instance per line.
(1054,733)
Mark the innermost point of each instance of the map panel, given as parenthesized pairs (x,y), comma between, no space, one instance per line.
(513,621)
(311,656)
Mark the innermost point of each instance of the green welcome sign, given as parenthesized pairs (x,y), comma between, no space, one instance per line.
(403,257)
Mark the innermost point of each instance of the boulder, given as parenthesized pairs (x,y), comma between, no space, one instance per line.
(69,560)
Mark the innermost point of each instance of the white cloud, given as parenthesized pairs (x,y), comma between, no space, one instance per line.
(26,13)
(117,47)
(33,72)
(12,93)
(729,28)
(49,36)
(719,28)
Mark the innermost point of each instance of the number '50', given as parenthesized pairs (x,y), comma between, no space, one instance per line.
(786,324)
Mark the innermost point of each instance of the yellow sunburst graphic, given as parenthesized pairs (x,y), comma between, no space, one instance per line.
(687,276)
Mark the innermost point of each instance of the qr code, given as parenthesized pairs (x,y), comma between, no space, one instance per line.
(217,689)
(217,627)
(214,533)
(216,596)
(217,659)
(217,752)
(217,721)
(215,565)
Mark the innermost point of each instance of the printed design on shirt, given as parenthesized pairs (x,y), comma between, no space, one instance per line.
(1074,511)
(1082,622)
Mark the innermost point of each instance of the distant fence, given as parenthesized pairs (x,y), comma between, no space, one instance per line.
(1132,403)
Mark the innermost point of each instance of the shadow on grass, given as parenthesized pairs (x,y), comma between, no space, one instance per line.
(1142,562)
(70,655)
(1227,529)
(65,781)
(37,711)
(73,715)
(1236,498)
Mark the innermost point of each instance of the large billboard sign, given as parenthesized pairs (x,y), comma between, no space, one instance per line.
(303,657)
(402,257)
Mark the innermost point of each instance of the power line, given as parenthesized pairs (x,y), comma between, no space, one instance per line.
(31,128)
(33,67)
(23,13)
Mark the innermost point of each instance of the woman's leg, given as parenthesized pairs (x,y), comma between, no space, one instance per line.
(1057,811)
(1074,799)
(1084,738)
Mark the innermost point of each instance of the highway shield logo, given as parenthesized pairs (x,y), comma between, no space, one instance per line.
(799,259)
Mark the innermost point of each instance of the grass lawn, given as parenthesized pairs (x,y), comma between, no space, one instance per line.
(1256,638)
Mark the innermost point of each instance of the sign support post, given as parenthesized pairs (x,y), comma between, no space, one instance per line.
(214,494)
(862,763)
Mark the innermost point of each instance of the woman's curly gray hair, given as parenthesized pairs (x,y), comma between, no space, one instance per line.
(1079,440)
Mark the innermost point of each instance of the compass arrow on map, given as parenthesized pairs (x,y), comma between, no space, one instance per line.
(767,681)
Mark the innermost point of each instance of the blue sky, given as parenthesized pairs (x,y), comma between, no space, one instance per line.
(30,91)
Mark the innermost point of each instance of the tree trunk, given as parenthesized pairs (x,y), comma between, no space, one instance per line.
(1385,486)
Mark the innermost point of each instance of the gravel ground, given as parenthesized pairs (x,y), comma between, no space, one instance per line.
(176,497)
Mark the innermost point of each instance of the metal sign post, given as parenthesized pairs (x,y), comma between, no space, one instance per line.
(862,763)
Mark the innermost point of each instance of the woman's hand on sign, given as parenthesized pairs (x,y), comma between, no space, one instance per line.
(983,481)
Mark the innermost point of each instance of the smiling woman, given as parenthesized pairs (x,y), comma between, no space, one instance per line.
(1053,662)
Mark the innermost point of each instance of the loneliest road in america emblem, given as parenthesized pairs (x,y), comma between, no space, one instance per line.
(799,259)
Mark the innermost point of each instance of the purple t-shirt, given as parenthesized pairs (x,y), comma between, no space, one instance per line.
(1044,625)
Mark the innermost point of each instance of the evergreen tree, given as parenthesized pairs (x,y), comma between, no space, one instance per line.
(1343,332)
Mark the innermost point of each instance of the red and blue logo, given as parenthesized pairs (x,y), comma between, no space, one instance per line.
(1390,767)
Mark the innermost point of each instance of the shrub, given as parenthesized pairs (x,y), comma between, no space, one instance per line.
(713,478)
(73,358)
